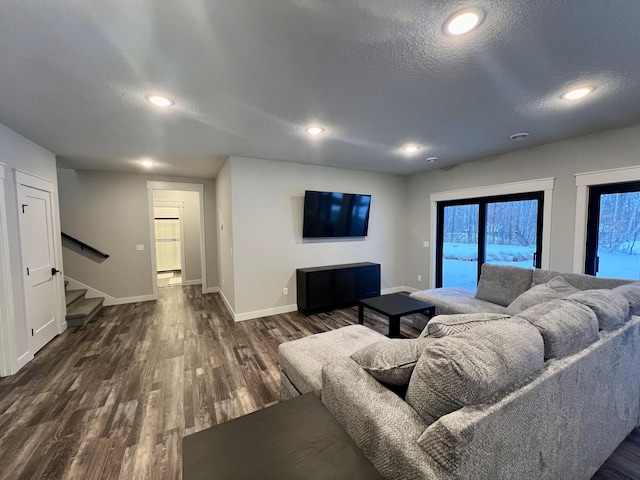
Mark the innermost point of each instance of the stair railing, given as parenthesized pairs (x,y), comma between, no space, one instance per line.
(83,246)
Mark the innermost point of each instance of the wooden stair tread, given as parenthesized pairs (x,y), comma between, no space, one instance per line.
(73,295)
(83,308)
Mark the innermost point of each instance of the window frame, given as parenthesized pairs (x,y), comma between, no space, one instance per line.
(482,203)
(591,259)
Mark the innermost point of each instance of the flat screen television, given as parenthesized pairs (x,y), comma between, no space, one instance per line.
(333,214)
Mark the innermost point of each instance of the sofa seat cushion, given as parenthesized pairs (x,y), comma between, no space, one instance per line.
(502,284)
(611,308)
(631,292)
(556,288)
(451,300)
(444,325)
(474,367)
(302,360)
(391,361)
(566,327)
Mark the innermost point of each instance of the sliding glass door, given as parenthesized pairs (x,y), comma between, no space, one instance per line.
(504,230)
(613,231)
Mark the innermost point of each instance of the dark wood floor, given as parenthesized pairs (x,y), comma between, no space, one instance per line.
(113,399)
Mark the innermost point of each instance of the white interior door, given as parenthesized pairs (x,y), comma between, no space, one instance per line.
(38,261)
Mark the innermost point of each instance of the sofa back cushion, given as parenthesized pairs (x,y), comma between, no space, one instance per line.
(631,292)
(579,280)
(556,288)
(444,325)
(566,327)
(503,284)
(611,308)
(391,361)
(473,367)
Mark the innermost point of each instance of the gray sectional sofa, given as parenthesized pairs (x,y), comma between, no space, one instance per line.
(546,393)
(498,287)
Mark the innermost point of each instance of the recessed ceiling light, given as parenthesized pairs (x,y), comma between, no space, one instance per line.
(463,21)
(315,130)
(411,148)
(147,163)
(577,93)
(160,101)
(518,137)
(432,159)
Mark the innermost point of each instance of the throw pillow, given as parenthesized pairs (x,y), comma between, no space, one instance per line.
(566,327)
(631,292)
(556,288)
(611,308)
(444,325)
(391,361)
(503,284)
(473,367)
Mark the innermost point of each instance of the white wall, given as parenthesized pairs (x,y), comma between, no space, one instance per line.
(267,205)
(16,152)
(224,232)
(604,150)
(191,226)
(109,211)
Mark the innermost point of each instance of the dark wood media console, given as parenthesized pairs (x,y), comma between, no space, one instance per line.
(325,288)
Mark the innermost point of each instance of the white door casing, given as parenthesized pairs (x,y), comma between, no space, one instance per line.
(7,332)
(38,254)
(188,187)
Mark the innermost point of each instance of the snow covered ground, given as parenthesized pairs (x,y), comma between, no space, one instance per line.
(619,265)
(460,265)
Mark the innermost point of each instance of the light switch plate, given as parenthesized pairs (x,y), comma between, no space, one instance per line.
(140,247)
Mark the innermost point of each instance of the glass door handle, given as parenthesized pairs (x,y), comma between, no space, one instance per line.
(597,265)
(535,259)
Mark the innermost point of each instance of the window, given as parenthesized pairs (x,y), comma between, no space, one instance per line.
(504,230)
(613,231)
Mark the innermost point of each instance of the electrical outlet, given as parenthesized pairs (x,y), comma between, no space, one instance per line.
(425,244)
(419,278)
(140,247)
(285,291)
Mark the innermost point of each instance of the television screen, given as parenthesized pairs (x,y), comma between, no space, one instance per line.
(333,214)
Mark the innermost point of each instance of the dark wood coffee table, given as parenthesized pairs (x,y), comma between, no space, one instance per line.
(395,306)
(296,439)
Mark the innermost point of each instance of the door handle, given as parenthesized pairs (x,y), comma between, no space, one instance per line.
(54,270)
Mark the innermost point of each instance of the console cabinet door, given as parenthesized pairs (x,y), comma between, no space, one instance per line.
(369,281)
(346,286)
(319,290)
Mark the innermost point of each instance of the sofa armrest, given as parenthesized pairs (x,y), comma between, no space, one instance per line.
(381,423)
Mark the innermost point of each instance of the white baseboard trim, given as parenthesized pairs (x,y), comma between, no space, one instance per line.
(226,303)
(387,291)
(240,317)
(108,299)
(191,282)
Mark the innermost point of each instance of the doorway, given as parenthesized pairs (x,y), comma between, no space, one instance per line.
(182,241)
(169,232)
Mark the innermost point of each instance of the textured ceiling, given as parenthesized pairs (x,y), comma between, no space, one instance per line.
(247,76)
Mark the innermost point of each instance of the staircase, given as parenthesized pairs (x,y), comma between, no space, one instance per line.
(80,310)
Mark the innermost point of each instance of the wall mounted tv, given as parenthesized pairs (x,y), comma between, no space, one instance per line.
(333,214)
